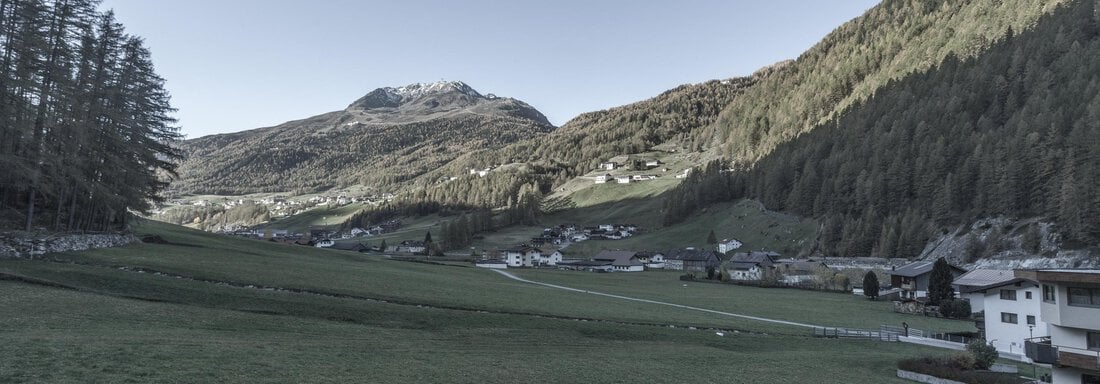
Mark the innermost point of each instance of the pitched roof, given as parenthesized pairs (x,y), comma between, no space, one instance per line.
(742,265)
(917,268)
(692,255)
(615,256)
(980,279)
(763,258)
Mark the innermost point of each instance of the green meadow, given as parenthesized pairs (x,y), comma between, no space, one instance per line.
(205,308)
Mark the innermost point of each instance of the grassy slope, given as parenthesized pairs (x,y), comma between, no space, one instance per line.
(744,220)
(121,326)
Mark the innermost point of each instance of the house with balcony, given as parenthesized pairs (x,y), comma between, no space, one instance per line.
(1070,305)
(1012,315)
(913,278)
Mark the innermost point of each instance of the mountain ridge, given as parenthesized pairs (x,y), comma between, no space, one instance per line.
(411,130)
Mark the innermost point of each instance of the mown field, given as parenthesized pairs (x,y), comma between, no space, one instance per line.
(219,309)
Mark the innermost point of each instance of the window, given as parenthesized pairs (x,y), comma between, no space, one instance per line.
(1010,318)
(1008,294)
(1027,295)
(1048,293)
(1094,341)
(1084,297)
(1030,320)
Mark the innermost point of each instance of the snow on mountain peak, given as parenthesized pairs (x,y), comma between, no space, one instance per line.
(392,97)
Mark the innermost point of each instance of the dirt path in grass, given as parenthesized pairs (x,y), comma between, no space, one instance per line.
(517,278)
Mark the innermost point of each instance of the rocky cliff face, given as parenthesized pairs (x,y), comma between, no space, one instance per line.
(1002,243)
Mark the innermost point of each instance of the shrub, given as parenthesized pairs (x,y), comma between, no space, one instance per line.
(963,361)
(984,354)
(948,368)
(955,309)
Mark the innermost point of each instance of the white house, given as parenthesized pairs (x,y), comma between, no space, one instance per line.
(652,260)
(550,258)
(1070,305)
(602,179)
(521,256)
(727,245)
(971,286)
(622,179)
(743,270)
(610,165)
(1012,315)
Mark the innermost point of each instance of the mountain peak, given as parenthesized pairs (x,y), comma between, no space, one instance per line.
(390,97)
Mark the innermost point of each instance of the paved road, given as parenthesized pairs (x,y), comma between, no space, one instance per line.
(514,277)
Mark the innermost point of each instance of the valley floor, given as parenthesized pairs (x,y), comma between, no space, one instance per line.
(212,309)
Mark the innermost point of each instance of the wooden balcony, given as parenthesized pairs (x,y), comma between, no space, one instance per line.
(1040,350)
(1079,358)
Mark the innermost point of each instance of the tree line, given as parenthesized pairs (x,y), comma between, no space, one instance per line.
(85,128)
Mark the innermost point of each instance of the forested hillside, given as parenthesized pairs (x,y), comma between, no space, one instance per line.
(744,119)
(582,143)
(1011,132)
(891,41)
(376,141)
(84,119)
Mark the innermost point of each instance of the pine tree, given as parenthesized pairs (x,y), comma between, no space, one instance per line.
(939,283)
(870,285)
(711,238)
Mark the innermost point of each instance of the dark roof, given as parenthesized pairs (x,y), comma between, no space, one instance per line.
(980,279)
(627,263)
(763,258)
(742,265)
(586,263)
(520,249)
(692,255)
(1003,284)
(349,246)
(918,268)
(615,256)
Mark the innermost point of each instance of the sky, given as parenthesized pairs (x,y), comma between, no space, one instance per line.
(234,65)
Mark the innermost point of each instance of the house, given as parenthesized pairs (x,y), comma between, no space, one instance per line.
(552,258)
(913,278)
(651,260)
(692,260)
(607,227)
(609,166)
(750,265)
(522,256)
(795,272)
(971,286)
(602,179)
(622,179)
(621,261)
(652,163)
(1011,315)
(727,245)
(1070,305)
(411,246)
(743,270)
(353,247)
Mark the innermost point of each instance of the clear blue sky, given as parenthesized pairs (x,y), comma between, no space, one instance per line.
(233,65)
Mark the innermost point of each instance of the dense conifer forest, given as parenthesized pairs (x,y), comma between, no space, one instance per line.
(1012,132)
(85,128)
